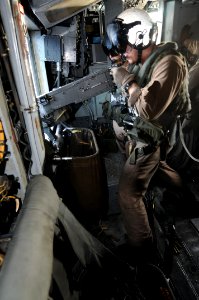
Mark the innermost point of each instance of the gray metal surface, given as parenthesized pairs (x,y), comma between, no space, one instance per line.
(185,268)
(195,223)
(52,12)
(52,45)
(19,58)
(69,42)
(77,91)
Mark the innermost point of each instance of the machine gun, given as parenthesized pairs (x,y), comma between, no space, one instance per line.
(75,92)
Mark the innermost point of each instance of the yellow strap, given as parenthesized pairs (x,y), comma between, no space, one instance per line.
(2,141)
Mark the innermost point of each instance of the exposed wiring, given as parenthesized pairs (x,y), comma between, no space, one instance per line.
(4,190)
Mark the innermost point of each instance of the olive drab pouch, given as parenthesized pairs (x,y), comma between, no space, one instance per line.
(146,132)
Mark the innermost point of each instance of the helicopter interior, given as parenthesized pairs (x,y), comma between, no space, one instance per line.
(60,220)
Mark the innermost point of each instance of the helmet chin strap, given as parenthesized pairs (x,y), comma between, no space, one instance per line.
(140,47)
(139,51)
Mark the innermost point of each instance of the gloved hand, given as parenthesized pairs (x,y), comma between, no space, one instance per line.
(121,76)
(119,131)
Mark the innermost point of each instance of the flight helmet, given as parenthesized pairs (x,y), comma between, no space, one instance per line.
(132,27)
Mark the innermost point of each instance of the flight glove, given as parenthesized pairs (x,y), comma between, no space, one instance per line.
(121,76)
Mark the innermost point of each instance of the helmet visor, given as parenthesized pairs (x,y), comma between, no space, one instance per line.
(113,32)
(117,33)
(108,47)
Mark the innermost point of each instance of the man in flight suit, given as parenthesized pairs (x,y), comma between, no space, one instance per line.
(154,80)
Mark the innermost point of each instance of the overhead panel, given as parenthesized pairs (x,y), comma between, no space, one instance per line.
(53,12)
(190,2)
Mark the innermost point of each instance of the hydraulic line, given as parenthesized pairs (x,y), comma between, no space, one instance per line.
(27,268)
